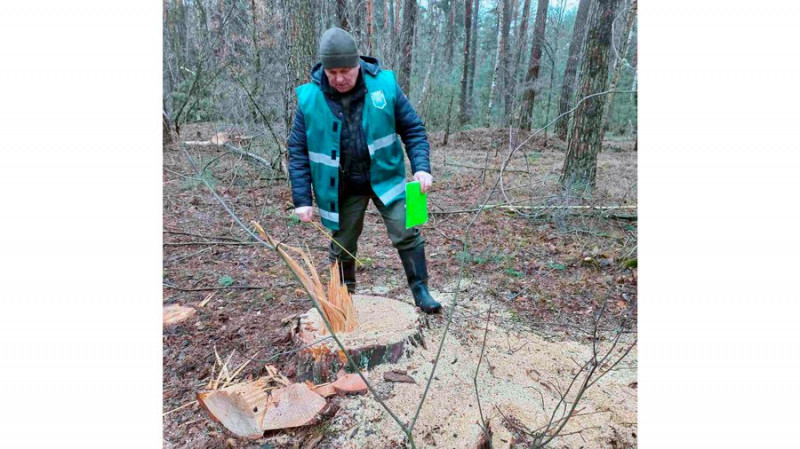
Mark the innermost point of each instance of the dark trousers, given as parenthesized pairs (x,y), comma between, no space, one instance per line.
(351,222)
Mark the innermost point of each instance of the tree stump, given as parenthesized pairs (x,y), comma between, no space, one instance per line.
(387,329)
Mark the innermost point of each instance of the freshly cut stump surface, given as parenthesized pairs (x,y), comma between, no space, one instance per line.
(387,329)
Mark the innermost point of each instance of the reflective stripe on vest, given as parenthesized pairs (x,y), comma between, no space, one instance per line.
(323,159)
(383,142)
(392,193)
(330,216)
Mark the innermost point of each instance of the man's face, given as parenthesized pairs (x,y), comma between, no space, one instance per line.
(342,78)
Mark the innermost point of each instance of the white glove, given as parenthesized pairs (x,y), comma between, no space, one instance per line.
(425,180)
(304,213)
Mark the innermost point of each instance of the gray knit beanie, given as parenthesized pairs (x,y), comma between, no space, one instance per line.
(337,48)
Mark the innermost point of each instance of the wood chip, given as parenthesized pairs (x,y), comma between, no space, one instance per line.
(398,376)
(175,313)
(350,384)
(205,301)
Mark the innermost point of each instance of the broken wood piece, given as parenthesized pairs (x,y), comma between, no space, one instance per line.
(325,390)
(175,313)
(336,305)
(240,408)
(398,376)
(350,384)
(208,298)
(292,406)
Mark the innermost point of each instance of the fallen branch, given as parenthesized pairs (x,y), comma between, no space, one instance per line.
(209,243)
(253,157)
(599,209)
(202,289)
(217,237)
(180,408)
(453,164)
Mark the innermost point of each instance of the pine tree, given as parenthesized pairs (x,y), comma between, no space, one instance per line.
(529,93)
(580,165)
(575,48)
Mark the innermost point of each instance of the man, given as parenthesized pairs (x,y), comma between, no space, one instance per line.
(345,145)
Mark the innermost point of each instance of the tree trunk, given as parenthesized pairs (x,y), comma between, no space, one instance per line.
(522,37)
(166,136)
(256,86)
(370,24)
(497,56)
(474,51)
(341,14)
(465,113)
(396,35)
(529,94)
(451,33)
(575,48)
(407,39)
(386,17)
(392,37)
(447,126)
(505,68)
(620,61)
(301,45)
(580,165)
(427,81)
(557,34)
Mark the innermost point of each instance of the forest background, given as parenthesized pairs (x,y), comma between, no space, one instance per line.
(715,229)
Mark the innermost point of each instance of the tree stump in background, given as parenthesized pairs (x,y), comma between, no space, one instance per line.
(388,328)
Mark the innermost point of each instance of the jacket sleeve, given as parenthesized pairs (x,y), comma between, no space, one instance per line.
(299,165)
(411,129)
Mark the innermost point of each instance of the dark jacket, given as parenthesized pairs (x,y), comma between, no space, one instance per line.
(408,125)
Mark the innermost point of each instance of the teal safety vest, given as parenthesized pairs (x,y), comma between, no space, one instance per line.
(323,128)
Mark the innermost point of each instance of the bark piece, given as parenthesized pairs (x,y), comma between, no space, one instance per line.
(350,383)
(292,406)
(175,313)
(240,408)
(387,329)
(398,376)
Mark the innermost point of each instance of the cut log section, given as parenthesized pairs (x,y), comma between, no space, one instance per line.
(387,329)
(174,314)
(240,408)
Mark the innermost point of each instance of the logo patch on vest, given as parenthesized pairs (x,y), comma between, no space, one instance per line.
(378,100)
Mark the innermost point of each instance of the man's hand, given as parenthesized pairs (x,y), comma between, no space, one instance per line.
(425,180)
(304,213)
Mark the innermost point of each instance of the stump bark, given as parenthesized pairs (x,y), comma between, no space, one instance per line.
(388,329)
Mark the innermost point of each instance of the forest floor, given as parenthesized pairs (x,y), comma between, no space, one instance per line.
(546,273)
